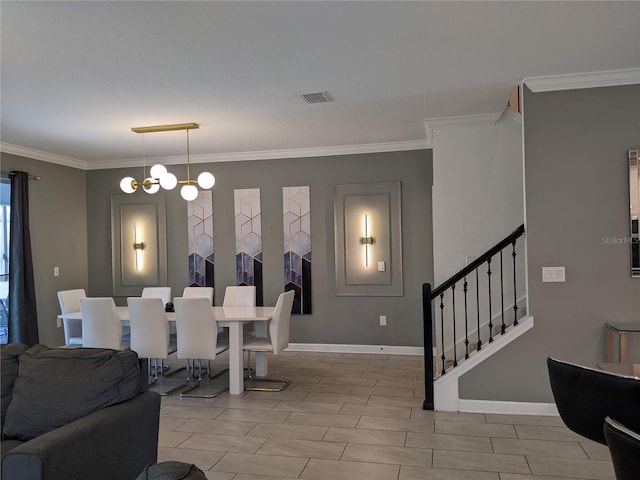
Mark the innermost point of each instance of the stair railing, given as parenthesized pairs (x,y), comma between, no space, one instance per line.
(428,307)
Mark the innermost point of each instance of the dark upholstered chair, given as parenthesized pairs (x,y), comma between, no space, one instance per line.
(624,446)
(585,397)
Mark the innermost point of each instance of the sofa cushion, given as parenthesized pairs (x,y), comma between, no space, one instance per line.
(57,386)
(8,372)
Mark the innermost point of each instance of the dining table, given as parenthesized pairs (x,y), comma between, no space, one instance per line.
(233,318)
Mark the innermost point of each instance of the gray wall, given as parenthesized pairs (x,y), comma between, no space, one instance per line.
(339,320)
(58,221)
(576,179)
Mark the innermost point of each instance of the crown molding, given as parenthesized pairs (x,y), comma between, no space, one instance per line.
(462,121)
(43,156)
(266,154)
(574,81)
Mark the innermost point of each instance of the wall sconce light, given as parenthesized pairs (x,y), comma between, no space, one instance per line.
(138,246)
(366,240)
(159,175)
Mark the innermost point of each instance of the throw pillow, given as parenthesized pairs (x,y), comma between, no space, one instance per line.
(9,355)
(57,386)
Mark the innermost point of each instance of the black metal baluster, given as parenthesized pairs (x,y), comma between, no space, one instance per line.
(478,310)
(490,312)
(466,326)
(443,357)
(515,296)
(502,327)
(453,300)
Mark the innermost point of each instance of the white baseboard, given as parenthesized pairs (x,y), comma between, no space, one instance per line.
(346,348)
(512,408)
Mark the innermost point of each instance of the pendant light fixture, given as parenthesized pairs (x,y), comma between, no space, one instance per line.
(160,177)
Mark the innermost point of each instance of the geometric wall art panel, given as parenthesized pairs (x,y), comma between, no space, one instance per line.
(296,216)
(249,239)
(200,225)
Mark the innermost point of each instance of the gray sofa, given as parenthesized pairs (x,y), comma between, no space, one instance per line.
(70,414)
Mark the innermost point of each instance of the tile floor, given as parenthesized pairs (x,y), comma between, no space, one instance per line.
(360,417)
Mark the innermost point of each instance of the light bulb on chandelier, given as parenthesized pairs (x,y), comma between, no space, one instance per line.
(160,177)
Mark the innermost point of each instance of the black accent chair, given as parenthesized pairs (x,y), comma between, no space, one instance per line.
(624,446)
(585,397)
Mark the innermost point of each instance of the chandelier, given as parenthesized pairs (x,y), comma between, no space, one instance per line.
(160,177)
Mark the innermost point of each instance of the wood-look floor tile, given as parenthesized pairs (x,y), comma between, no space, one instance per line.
(362,435)
(460,417)
(172,439)
(285,395)
(569,467)
(219,475)
(487,462)
(371,411)
(220,425)
(203,459)
(245,403)
(336,398)
(384,391)
(223,443)
(301,432)
(322,419)
(520,476)
(307,406)
(358,452)
(538,447)
(547,420)
(475,429)
(595,451)
(422,473)
(318,469)
(402,424)
(302,448)
(348,380)
(269,465)
(252,416)
(537,432)
(171,423)
(244,476)
(436,441)
(179,411)
(323,387)
(377,400)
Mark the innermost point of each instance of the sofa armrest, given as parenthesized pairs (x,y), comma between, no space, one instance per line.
(112,443)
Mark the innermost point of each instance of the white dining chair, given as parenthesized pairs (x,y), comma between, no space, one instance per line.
(101,324)
(197,340)
(277,340)
(239,296)
(198,292)
(164,293)
(150,336)
(69,301)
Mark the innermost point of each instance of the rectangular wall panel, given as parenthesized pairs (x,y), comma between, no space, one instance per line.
(296,213)
(248,228)
(200,225)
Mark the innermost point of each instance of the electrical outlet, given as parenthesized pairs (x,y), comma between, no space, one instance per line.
(383,320)
(58,323)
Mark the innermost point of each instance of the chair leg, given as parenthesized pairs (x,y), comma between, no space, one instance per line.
(187,393)
(160,369)
(252,377)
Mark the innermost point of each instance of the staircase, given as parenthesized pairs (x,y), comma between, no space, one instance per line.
(461,326)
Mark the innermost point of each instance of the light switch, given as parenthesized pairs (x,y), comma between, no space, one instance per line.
(553,274)
(56,271)
(381,266)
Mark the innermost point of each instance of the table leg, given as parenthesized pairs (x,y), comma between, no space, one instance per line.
(236,372)
(608,346)
(262,367)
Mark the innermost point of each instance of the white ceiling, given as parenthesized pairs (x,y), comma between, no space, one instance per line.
(76,76)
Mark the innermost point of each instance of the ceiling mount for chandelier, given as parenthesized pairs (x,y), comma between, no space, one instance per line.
(160,177)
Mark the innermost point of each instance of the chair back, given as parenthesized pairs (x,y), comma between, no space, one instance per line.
(585,397)
(279,324)
(240,296)
(624,447)
(196,328)
(101,324)
(149,327)
(198,292)
(163,293)
(69,301)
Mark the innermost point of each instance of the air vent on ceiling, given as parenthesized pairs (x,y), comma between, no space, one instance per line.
(320,97)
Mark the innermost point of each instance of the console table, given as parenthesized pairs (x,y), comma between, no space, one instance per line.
(622,329)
